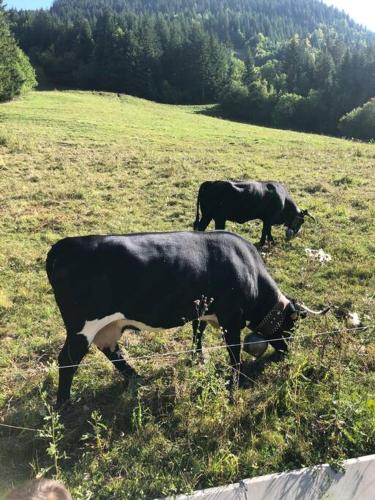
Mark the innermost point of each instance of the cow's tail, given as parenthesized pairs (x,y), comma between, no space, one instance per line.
(50,264)
(55,258)
(196,222)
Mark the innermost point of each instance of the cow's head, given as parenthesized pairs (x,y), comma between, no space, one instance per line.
(294,226)
(277,326)
(292,313)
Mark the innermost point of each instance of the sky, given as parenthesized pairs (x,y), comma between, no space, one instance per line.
(362,11)
(28,4)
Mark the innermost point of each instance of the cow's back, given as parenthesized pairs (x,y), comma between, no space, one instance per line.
(181,251)
(152,275)
(240,201)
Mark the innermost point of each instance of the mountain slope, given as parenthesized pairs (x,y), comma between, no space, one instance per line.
(238,19)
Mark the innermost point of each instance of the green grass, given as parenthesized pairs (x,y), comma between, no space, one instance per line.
(83,163)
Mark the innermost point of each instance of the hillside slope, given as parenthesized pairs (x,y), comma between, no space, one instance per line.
(79,163)
(278,19)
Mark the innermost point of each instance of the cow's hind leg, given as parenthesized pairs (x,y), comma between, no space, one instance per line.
(220,224)
(269,235)
(203,223)
(119,362)
(72,353)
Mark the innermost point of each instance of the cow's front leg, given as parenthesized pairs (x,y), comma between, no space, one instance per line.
(119,362)
(265,230)
(232,337)
(72,353)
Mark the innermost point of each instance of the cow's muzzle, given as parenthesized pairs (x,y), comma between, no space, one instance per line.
(290,233)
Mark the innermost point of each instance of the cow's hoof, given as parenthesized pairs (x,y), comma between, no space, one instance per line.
(199,358)
(233,396)
(232,385)
(134,382)
(279,355)
(128,374)
(243,381)
(63,407)
(202,357)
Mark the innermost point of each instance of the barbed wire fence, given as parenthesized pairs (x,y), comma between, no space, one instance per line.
(135,359)
(240,488)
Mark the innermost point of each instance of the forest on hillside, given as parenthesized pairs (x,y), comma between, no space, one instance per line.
(285,63)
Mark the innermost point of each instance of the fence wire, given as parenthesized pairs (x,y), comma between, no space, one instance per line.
(190,351)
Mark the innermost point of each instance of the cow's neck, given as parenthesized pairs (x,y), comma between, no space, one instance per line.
(269,313)
(290,211)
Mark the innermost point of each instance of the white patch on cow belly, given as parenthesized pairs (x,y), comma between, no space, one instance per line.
(92,327)
(99,326)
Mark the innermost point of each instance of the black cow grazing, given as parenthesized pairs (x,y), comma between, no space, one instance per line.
(243,201)
(105,285)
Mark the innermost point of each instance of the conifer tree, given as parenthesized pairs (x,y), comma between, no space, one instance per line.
(250,70)
(16,73)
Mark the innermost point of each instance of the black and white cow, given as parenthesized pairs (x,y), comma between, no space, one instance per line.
(105,285)
(241,201)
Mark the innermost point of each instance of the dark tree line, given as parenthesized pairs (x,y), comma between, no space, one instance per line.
(273,62)
(143,55)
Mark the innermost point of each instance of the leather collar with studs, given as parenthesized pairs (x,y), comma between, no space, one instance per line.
(273,320)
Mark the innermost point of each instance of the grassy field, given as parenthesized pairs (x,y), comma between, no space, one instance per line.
(81,163)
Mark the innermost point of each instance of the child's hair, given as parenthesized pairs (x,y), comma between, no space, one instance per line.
(40,489)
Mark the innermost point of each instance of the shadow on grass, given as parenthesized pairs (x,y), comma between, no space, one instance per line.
(115,401)
(252,370)
(215,111)
(212,110)
(21,448)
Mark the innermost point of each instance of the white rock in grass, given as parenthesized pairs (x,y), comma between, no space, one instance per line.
(353,320)
(319,255)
